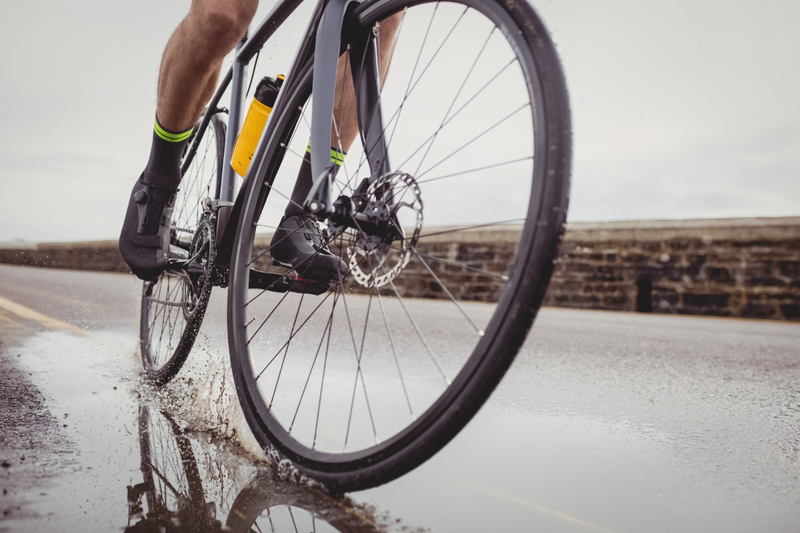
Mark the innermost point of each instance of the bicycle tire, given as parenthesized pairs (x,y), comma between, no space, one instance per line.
(173,307)
(263,493)
(469,375)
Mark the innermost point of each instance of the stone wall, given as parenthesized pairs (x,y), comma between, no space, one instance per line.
(726,267)
(95,255)
(732,267)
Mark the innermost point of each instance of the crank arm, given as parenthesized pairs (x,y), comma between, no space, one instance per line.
(191,265)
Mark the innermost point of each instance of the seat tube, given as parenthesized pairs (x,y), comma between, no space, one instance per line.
(228,189)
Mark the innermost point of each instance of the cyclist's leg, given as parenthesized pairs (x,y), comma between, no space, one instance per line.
(345,132)
(193,58)
(189,70)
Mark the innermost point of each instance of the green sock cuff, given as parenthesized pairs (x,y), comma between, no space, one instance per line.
(171,136)
(336,156)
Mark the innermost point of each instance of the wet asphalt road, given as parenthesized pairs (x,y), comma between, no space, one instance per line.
(606,422)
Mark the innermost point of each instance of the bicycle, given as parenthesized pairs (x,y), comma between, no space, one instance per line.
(356,383)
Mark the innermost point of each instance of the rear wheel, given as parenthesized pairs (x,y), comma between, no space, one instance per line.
(360,384)
(173,306)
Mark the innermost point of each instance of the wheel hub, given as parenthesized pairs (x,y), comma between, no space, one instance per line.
(392,202)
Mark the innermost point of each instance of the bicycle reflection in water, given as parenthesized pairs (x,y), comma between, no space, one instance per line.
(172,497)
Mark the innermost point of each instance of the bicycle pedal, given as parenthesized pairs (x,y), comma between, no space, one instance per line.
(281,283)
(305,286)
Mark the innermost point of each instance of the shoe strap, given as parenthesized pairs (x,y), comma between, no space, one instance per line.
(147,241)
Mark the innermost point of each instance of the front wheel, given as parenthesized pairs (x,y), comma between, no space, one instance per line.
(362,383)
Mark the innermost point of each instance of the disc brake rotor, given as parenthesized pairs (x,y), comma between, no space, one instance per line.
(376,260)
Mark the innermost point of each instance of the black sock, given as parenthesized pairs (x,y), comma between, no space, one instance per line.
(164,166)
(304,181)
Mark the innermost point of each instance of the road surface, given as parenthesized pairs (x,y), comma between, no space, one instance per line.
(608,422)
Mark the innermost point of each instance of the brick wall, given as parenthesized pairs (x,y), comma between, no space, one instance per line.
(733,267)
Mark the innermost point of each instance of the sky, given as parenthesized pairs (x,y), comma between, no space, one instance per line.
(681,109)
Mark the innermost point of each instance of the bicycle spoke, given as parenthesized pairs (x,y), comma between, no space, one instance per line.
(294,333)
(492,79)
(394,355)
(313,363)
(412,87)
(495,275)
(361,375)
(487,167)
(417,330)
(358,369)
(293,522)
(478,330)
(458,93)
(286,295)
(484,132)
(476,226)
(286,351)
(414,70)
(322,379)
(163,322)
(298,329)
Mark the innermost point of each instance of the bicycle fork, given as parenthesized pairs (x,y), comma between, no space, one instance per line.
(339,15)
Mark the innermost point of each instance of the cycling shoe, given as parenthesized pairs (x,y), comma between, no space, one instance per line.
(145,237)
(298,243)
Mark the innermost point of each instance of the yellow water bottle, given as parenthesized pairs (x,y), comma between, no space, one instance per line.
(254,122)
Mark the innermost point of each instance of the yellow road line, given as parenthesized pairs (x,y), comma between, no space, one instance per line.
(12,323)
(29,314)
(544,510)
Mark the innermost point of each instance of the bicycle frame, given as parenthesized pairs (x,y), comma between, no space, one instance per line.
(320,43)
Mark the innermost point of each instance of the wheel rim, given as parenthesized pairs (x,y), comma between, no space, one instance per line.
(298,385)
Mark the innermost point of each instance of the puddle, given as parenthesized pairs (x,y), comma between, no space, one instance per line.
(141,461)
